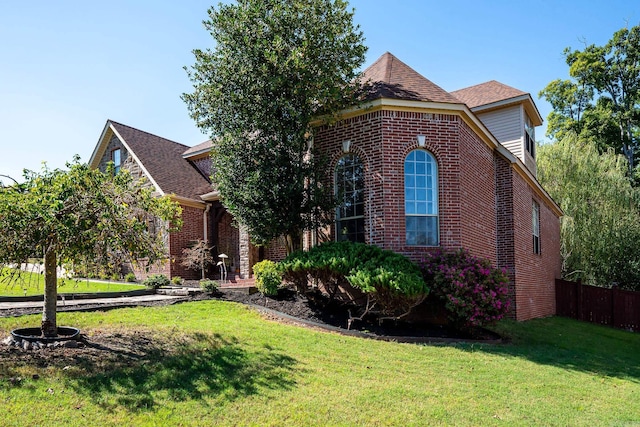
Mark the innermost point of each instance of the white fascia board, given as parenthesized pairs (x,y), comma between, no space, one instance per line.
(99,149)
(211,196)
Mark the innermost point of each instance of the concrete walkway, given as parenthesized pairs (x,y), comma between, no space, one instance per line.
(93,301)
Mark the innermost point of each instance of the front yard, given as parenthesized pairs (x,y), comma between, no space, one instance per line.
(219,363)
(33,284)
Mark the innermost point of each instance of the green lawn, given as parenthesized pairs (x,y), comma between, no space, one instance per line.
(33,284)
(219,363)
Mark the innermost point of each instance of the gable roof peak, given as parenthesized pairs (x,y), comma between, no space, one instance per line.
(389,77)
(487,93)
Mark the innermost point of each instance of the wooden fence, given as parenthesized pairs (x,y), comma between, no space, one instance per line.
(613,307)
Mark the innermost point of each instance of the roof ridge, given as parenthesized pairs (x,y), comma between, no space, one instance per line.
(148,133)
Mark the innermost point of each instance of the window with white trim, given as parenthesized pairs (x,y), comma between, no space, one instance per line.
(536,228)
(116,159)
(530,138)
(349,185)
(421,199)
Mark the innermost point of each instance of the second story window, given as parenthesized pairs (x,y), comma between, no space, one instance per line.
(536,228)
(116,159)
(530,139)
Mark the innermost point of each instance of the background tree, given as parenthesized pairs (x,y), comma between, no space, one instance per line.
(277,65)
(602,100)
(67,215)
(601,227)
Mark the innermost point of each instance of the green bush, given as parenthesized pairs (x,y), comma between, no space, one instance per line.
(210,286)
(389,281)
(176,280)
(268,277)
(155,281)
(473,292)
(130,278)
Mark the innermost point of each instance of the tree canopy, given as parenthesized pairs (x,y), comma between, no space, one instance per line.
(277,65)
(601,101)
(69,215)
(601,222)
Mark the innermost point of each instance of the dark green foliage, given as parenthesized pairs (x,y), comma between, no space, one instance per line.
(601,102)
(156,281)
(209,286)
(600,228)
(388,281)
(268,278)
(130,277)
(276,67)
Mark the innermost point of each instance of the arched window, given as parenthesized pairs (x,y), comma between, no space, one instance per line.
(349,179)
(421,199)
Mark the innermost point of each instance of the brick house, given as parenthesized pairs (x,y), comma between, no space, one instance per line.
(416,168)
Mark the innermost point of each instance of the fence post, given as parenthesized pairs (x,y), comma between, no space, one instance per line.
(614,292)
(579,315)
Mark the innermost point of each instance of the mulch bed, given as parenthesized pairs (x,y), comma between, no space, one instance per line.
(288,306)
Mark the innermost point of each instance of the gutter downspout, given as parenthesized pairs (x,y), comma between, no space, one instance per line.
(206,223)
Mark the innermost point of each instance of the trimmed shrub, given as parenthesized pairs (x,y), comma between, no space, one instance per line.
(209,286)
(474,293)
(268,278)
(130,277)
(176,280)
(155,281)
(389,282)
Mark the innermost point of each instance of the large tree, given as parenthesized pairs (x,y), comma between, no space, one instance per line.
(601,101)
(70,215)
(601,223)
(277,65)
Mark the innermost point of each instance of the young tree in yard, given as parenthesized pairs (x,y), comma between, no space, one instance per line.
(198,257)
(277,66)
(67,215)
(602,101)
(600,229)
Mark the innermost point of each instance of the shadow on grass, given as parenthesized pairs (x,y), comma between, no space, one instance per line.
(204,366)
(571,345)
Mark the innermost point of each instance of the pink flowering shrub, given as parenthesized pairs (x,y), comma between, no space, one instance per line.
(474,292)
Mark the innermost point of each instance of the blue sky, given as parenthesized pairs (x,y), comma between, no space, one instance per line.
(68,66)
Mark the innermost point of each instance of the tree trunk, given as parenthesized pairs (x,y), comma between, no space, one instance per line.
(49,324)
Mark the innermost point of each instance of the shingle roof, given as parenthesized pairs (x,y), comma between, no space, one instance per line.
(163,160)
(486,93)
(198,149)
(391,78)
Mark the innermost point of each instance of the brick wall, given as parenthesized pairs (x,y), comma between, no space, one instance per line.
(383,139)
(192,230)
(535,274)
(484,205)
(505,224)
